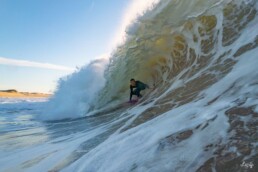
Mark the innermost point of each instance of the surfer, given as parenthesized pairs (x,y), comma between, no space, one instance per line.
(139,86)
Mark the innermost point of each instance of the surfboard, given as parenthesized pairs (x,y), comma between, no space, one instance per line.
(133,101)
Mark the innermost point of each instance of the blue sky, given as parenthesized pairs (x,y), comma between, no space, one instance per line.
(65,33)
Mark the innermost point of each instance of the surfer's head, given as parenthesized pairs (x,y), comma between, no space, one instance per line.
(132,82)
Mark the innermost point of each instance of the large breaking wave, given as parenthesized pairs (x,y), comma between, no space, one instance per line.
(196,43)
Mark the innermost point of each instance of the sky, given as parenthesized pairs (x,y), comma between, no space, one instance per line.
(43,40)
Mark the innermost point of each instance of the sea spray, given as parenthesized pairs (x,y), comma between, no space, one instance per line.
(76,93)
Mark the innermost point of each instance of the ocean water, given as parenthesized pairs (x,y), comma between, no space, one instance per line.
(200,57)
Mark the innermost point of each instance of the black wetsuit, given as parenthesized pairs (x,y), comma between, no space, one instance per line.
(139,86)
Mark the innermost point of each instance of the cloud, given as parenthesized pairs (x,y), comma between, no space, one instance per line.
(25,63)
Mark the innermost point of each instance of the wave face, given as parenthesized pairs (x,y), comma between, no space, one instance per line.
(197,43)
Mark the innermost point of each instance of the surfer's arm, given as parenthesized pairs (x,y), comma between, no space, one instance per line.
(131,92)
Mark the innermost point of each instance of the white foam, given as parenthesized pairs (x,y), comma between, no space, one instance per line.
(139,147)
(76,93)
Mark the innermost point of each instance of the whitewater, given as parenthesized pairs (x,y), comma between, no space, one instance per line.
(200,58)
